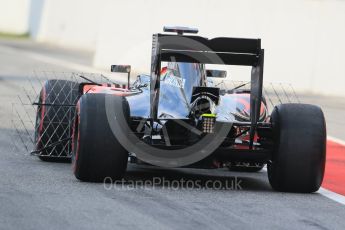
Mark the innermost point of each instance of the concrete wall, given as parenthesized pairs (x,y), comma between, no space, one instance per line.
(303,39)
(69,23)
(14,16)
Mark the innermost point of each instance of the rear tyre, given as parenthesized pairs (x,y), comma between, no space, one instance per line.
(54,122)
(298,161)
(97,154)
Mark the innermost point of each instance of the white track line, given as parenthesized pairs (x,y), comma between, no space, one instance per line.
(337,140)
(332,195)
(325,192)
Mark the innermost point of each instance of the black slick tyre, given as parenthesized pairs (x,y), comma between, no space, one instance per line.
(298,161)
(97,154)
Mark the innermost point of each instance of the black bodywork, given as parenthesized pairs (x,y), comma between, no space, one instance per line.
(177,87)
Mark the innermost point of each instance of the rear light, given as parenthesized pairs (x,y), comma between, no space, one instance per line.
(208,122)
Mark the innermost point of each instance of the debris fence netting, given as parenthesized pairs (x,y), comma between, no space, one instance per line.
(43,114)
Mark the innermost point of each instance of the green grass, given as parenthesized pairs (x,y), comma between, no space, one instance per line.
(14,36)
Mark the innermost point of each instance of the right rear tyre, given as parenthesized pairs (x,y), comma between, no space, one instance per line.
(97,154)
(298,161)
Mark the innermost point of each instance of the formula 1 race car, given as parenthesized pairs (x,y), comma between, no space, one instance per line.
(174,117)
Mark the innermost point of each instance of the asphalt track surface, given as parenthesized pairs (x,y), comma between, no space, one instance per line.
(41,195)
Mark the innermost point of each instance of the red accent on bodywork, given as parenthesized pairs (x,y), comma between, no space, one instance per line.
(78,137)
(43,109)
(107,89)
(244,101)
(164,70)
(86,88)
(245,138)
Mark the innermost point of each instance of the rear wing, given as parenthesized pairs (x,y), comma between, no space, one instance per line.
(196,49)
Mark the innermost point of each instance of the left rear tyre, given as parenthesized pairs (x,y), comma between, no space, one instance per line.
(97,154)
(54,120)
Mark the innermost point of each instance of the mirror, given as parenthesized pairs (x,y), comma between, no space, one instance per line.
(121,68)
(215,73)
